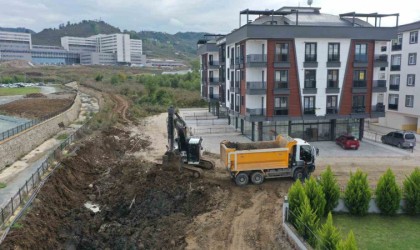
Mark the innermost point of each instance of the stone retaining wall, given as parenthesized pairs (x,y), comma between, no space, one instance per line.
(20,144)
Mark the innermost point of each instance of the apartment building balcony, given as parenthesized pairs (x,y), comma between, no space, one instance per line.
(395,67)
(378,110)
(281,111)
(310,87)
(310,61)
(359,87)
(281,88)
(331,111)
(396,47)
(381,61)
(360,61)
(214,64)
(281,61)
(358,109)
(394,87)
(239,61)
(256,60)
(392,106)
(256,88)
(309,111)
(332,87)
(379,86)
(333,64)
(214,81)
(255,112)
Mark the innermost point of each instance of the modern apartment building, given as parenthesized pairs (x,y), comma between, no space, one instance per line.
(403,109)
(15,46)
(300,72)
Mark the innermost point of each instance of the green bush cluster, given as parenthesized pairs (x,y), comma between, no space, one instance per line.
(189,81)
(388,194)
(331,189)
(412,192)
(12,79)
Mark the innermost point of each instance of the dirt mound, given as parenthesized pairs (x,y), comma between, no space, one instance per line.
(35,95)
(20,64)
(35,107)
(141,206)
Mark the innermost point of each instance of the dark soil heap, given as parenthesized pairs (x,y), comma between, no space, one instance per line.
(142,206)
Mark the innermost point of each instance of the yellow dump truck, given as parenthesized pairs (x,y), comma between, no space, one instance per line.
(256,161)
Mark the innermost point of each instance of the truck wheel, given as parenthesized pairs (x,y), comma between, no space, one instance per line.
(298,175)
(257,178)
(241,179)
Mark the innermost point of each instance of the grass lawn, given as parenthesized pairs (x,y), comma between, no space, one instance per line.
(19,91)
(381,232)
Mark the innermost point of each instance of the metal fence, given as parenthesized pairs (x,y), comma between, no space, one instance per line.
(224,130)
(22,196)
(16,130)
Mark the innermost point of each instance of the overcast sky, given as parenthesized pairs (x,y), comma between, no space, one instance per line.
(214,16)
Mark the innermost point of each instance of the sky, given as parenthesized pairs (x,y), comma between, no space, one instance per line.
(171,16)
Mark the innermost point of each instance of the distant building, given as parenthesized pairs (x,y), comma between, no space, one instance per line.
(15,46)
(403,76)
(164,63)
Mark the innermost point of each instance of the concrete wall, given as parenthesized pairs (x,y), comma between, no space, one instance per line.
(17,146)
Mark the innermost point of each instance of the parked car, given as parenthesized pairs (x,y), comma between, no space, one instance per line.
(348,142)
(401,139)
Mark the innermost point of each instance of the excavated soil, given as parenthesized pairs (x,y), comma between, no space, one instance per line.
(145,206)
(36,107)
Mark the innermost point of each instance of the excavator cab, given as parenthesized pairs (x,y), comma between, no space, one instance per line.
(194,150)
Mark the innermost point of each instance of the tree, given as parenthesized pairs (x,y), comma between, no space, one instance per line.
(412,192)
(388,194)
(296,198)
(114,80)
(349,243)
(307,222)
(329,236)
(357,195)
(316,196)
(331,189)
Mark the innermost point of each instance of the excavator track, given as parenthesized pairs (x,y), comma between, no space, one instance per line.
(206,164)
(197,172)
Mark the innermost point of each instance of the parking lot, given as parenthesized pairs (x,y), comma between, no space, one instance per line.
(213,131)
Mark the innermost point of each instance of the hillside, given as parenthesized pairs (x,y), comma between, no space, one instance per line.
(82,29)
(19,29)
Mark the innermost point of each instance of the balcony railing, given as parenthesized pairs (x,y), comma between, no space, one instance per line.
(310,84)
(332,84)
(359,84)
(281,111)
(396,47)
(214,64)
(380,107)
(214,80)
(395,67)
(395,87)
(281,85)
(361,58)
(239,60)
(310,58)
(256,60)
(256,88)
(393,106)
(358,109)
(281,58)
(309,111)
(381,61)
(214,96)
(255,112)
(379,83)
(332,110)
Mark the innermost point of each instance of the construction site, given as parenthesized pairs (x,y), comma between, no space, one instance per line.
(113,189)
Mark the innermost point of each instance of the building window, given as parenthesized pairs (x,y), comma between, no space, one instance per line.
(310,52)
(360,53)
(281,105)
(411,80)
(358,104)
(333,52)
(309,105)
(228,70)
(310,78)
(395,62)
(393,102)
(332,78)
(359,79)
(409,101)
(281,79)
(414,36)
(282,52)
(412,58)
(394,82)
(332,104)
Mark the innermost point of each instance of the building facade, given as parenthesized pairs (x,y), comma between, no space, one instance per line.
(403,92)
(15,46)
(299,72)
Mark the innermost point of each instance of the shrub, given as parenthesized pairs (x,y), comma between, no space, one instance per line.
(99,77)
(316,196)
(329,236)
(412,192)
(114,80)
(307,222)
(388,194)
(296,198)
(349,243)
(357,194)
(331,190)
